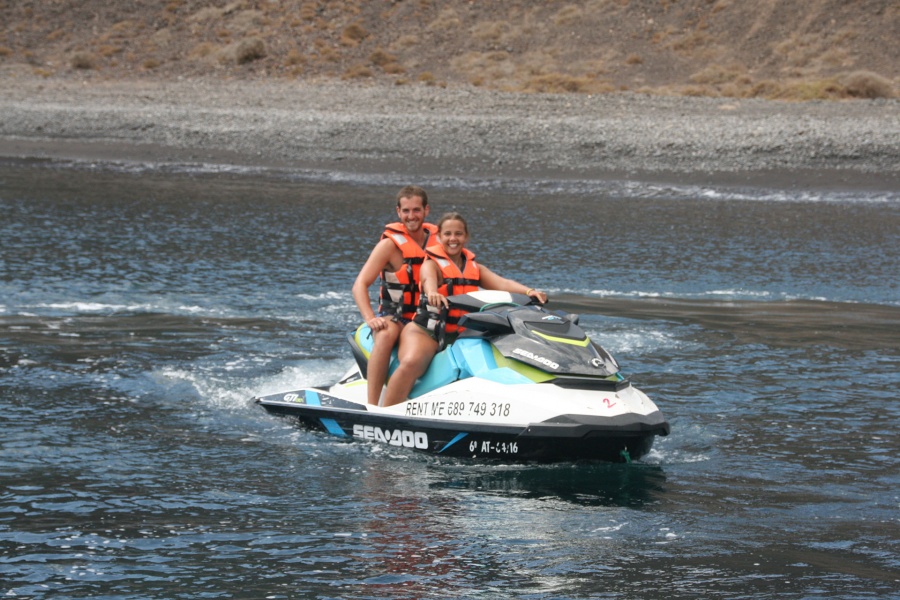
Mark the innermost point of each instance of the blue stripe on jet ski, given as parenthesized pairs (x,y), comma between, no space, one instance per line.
(312,399)
(458,437)
(332,427)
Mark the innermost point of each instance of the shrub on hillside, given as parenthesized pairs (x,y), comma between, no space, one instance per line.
(558,83)
(353,35)
(249,50)
(865,84)
(357,72)
(380,58)
(82,60)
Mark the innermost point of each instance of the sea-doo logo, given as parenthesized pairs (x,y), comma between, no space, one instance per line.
(551,318)
(544,361)
(397,437)
(597,362)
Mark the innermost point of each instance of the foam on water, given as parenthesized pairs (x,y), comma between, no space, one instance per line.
(219,388)
(621,188)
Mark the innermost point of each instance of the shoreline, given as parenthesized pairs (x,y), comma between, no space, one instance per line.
(415,132)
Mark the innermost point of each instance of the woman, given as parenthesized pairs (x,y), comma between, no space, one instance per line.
(449,269)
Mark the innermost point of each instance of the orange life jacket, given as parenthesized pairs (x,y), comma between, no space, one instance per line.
(400,289)
(455,282)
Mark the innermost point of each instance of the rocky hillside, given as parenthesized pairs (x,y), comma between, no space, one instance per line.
(782,49)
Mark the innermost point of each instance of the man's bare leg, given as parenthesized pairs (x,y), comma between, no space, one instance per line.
(380,360)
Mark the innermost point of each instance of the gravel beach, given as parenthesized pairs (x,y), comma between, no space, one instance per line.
(420,131)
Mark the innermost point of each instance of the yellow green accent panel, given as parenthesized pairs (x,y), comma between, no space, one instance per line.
(583,342)
(532,373)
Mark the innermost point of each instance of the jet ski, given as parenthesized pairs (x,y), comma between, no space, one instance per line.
(521,383)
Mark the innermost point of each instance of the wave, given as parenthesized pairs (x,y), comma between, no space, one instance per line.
(729,294)
(219,389)
(656,294)
(754,317)
(850,325)
(327,302)
(617,187)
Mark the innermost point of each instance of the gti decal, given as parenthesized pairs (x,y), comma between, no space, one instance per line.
(308,397)
(397,437)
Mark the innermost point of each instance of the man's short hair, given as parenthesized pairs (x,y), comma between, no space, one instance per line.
(411,191)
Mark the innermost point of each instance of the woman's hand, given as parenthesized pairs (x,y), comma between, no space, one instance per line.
(377,323)
(437,300)
(537,295)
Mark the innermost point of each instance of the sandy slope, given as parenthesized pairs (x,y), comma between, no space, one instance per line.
(421,130)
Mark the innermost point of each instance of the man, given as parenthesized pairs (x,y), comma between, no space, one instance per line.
(397,258)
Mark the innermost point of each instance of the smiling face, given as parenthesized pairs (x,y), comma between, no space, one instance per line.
(453,235)
(412,210)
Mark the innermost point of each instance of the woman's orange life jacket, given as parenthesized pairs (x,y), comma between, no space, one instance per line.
(456,281)
(400,289)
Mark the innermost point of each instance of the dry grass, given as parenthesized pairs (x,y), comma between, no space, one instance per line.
(357,72)
(107,50)
(691,42)
(294,58)
(203,50)
(353,34)
(83,60)
(309,11)
(556,83)
(720,74)
(865,84)
(825,49)
(386,61)
(125,28)
(404,42)
(326,52)
(490,31)
(735,81)
(447,20)
(247,22)
(381,58)
(210,13)
(806,90)
(249,49)
(568,15)
(855,85)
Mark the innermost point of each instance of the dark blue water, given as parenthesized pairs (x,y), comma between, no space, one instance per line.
(140,309)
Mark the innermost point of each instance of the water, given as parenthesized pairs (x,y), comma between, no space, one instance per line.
(141,308)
